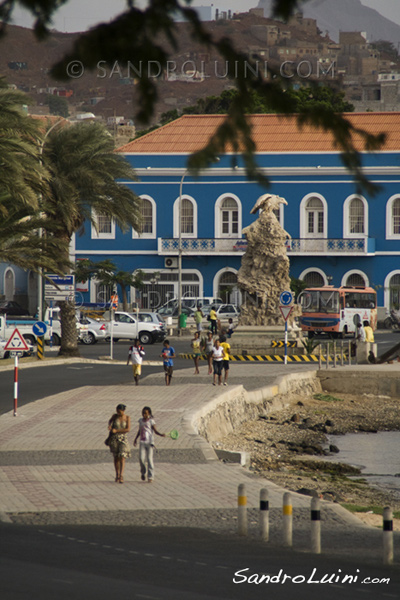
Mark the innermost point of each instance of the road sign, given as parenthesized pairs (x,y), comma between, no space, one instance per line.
(39,328)
(281,343)
(65,287)
(16,342)
(286,298)
(286,310)
(15,353)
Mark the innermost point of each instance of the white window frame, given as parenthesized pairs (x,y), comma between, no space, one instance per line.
(176,217)
(153,235)
(390,235)
(102,236)
(304,218)
(218,217)
(312,270)
(355,272)
(346,217)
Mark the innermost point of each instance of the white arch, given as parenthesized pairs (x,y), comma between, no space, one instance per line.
(176,217)
(314,270)
(217,277)
(390,235)
(9,295)
(346,217)
(355,272)
(303,216)
(386,288)
(174,283)
(217,216)
(152,235)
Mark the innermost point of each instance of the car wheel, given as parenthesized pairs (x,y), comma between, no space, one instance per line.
(145,337)
(88,338)
(56,340)
(29,338)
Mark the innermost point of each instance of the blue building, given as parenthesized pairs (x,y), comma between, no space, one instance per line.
(338,237)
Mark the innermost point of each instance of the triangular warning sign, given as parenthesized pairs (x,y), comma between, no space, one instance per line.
(285,310)
(16,342)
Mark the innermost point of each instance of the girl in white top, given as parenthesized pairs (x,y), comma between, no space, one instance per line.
(218,357)
(147,428)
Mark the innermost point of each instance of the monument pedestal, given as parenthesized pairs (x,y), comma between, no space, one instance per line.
(256,339)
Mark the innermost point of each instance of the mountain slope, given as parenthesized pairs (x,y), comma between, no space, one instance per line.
(346,15)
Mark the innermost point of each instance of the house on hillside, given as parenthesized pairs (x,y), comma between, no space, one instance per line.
(337,235)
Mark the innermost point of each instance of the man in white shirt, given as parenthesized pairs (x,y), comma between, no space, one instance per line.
(135,355)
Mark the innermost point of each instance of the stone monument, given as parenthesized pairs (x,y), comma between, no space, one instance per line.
(264,272)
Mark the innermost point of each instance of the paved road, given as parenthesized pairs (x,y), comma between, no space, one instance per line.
(172,564)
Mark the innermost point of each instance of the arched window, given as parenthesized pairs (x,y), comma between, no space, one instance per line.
(148,213)
(355,217)
(229,217)
(9,284)
(313,279)
(313,217)
(394,292)
(355,279)
(188,217)
(393,218)
(103,226)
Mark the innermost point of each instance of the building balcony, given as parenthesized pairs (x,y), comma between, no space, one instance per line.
(299,246)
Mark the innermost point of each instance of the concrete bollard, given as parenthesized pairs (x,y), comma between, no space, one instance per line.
(242,510)
(334,355)
(341,354)
(316,525)
(349,353)
(327,356)
(387,536)
(264,515)
(287,519)
(320,357)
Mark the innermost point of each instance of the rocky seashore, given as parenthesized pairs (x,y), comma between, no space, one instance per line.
(288,447)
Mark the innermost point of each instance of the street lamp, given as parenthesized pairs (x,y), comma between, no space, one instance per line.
(40,272)
(180,252)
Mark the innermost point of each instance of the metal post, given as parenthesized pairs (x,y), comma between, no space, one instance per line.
(349,353)
(111,332)
(315,526)
(334,355)
(264,515)
(180,253)
(242,510)
(286,340)
(287,519)
(320,356)
(327,356)
(341,353)
(15,385)
(387,536)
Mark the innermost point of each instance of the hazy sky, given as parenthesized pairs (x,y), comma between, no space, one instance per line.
(79,15)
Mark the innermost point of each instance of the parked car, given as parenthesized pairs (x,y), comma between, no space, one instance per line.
(96,330)
(151,317)
(226,311)
(126,327)
(9,307)
(173,311)
(6,354)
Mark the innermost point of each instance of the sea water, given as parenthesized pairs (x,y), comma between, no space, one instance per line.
(376,454)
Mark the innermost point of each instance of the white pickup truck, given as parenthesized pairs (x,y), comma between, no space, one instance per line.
(126,327)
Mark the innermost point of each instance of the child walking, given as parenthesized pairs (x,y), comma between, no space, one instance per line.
(147,428)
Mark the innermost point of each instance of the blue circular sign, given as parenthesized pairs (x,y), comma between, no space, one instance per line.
(39,328)
(286,298)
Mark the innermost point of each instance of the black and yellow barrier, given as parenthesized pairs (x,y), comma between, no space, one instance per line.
(294,358)
(281,344)
(40,347)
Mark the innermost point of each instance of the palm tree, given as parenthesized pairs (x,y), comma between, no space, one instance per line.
(84,170)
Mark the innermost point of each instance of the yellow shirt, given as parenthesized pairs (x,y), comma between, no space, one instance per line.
(213,315)
(227,348)
(369,334)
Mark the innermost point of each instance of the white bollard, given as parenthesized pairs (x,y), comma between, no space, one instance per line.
(387,536)
(287,519)
(316,525)
(242,510)
(264,515)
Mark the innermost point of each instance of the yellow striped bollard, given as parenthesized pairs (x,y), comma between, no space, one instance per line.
(40,347)
(242,510)
(287,519)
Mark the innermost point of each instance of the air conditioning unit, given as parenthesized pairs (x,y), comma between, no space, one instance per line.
(171,262)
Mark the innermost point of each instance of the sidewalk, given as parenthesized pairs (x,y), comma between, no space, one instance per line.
(55,468)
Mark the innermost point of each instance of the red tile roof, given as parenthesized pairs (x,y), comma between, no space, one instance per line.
(271,133)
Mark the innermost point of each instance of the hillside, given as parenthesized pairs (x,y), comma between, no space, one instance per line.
(346,15)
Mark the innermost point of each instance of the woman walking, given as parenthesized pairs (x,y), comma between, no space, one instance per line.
(196,351)
(147,427)
(119,425)
(209,343)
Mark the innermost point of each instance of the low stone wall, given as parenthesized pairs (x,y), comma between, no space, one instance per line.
(221,416)
(379,383)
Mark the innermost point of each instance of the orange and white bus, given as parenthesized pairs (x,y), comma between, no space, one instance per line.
(337,311)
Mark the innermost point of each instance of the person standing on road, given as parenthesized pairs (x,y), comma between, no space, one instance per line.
(218,357)
(119,425)
(225,362)
(147,428)
(198,317)
(167,354)
(369,333)
(196,351)
(208,348)
(135,354)
(213,320)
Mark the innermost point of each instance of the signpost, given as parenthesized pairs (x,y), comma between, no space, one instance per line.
(16,345)
(39,329)
(286,299)
(65,287)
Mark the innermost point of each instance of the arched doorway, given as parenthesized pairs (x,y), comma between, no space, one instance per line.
(9,285)
(228,289)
